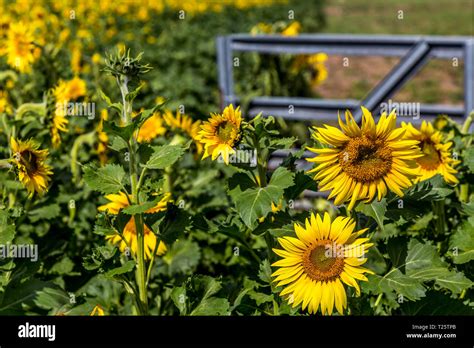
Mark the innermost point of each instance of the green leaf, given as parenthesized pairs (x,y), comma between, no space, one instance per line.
(108,179)
(207,287)
(375,210)
(178,295)
(65,266)
(183,256)
(302,182)
(130,97)
(469,158)
(435,303)
(423,263)
(287,230)
(212,306)
(164,156)
(7,229)
(125,268)
(139,208)
(461,243)
(456,282)
(116,106)
(175,222)
(265,272)
(125,132)
(397,249)
(400,283)
(47,212)
(260,297)
(255,203)
(51,298)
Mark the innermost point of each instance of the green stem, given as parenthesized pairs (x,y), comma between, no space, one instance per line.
(140,180)
(167,181)
(141,267)
(139,224)
(379,297)
(467,124)
(261,162)
(150,266)
(438,207)
(464,193)
(269,242)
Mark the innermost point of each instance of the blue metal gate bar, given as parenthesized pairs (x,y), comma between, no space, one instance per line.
(416,50)
(410,64)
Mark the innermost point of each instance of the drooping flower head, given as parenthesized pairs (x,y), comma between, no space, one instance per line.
(129,237)
(364,162)
(32,170)
(437,158)
(221,133)
(316,264)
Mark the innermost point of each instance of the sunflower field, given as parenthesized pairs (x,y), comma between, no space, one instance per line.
(125,188)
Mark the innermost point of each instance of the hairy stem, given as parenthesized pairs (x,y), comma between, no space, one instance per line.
(134,182)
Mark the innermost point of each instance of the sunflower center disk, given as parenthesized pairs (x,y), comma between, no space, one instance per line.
(225,131)
(365,159)
(431,158)
(323,262)
(29,160)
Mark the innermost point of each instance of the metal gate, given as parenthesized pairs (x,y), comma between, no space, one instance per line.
(415,52)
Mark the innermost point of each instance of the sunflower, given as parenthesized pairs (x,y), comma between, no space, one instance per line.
(151,128)
(319,72)
(436,157)
(315,64)
(69,90)
(4,103)
(364,163)
(221,133)
(103,138)
(292,30)
(59,122)
(97,311)
(20,50)
(129,234)
(315,265)
(185,124)
(63,93)
(33,173)
(129,239)
(75,88)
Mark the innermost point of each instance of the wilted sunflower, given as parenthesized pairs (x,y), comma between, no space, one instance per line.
(366,162)
(33,172)
(221,133)
(151,128)
(129,235)
(315,265)
(184,123)
(20,50)
(437,158)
